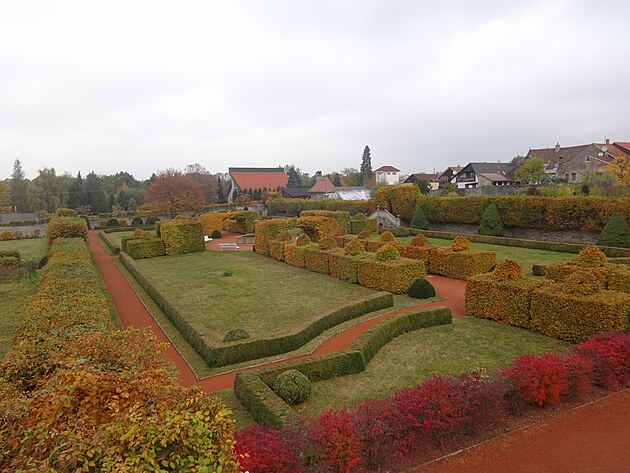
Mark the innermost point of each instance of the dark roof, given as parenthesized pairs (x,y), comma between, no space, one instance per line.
(495,177)
(422,177)
(322,186)
(505,169)
(295,192)
(259,178)
(553,157)
(387,169)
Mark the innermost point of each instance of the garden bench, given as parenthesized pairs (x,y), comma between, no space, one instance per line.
(228,246)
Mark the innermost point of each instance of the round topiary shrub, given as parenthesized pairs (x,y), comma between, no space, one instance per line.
(419,219)
(327,243)
(112,222)
(235,334)
(354,247)
(508,270)
(284,235)
(580,283)
(616,232)
(388,236)
(421,289)
(591,257)
(401,232)
(364,235)
(216,234)
(387,253)
(292,387)
(151,220)
(138,232)
(460,244)
(419,240)
(136,221)
(303,240)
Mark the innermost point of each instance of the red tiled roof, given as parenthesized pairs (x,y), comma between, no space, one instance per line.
(387,169)
(259,178)
(322,186)
(623,146)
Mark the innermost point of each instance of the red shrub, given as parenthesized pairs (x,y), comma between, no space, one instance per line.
(372,423)
(538,380)
(335,442)
(580,373)
(265,449)
(610,353)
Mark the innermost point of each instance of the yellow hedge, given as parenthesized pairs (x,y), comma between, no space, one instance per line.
(560,271)
(342,217)
(276,249)
(268,230)
(393,276)
(319,227)
(182,236)
(576,317)
(214,221)
(416,252)
(404,199)
(507,302)
(460,264)
(241,221)
(619,278)
(294,255)
(316,260)
(373,245)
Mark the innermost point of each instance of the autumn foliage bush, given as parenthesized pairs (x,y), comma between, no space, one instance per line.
(182,236)
(66,227)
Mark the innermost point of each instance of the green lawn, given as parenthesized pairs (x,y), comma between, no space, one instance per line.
(524,256)
(265,297)
(15,298)
(31,248)
(464,345)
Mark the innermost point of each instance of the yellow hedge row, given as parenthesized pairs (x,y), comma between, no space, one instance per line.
(342,217)
(560,271)
(393,276)
(294,255)
(316,260)
(276,249)
(576,317)
(507,302)
(182,236)
(460,264)
(214,221)
(619,278)
(319,227)
(241,221)
(351,206)
(267,230)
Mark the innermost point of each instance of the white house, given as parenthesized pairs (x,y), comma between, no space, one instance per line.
(388,175)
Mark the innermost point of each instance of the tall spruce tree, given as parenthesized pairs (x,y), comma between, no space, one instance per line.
(294,179)
(337,180)
(17,186)
(96,197)
(77,193)
(366,165)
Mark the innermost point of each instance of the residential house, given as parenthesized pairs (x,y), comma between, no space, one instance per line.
(570,162)
(431,179)
(475,175)
(448,175)
(325,189)
(295,192)
(244,179)
(387,175)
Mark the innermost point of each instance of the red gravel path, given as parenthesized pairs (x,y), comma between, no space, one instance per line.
(594,438)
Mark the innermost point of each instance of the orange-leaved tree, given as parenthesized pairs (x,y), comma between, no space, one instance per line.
(173,192)
(620,167)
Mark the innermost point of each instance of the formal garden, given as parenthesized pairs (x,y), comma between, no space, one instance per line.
(415,373)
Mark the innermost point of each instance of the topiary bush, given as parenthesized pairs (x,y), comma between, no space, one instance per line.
(146,236)
(419,240)
(421,289)
(138,232)
(112,222)
(327,243)
(292,387)
(364,235)
(235,334)
(591,257)
(388,237)
(616,232)
(508,270)
(284,235)
(216,234)
(354,247)
(460,244)
(136,221)
(419,219)
(387,253)
(303,240)
(490,223)
(401,232)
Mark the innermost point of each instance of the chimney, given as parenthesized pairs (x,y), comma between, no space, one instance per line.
(607,141)
(318,174)
(557,148)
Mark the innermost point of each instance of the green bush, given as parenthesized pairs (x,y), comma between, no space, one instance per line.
(216,234)
(62,212)
(112,222)
(401,232)
(141,248)
(490,223)
(387,253)
(235,334)
(293,209)
(182,236)
(615,233)
(419,220)
(421,289)
(152,220)
(292,387)
(137,221)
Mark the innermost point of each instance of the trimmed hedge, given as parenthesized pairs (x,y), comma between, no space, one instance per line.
(490,223)
(616,232)
(113,249)
(182,236)
(460,264)
(268,230)
(341,217)
(127,229)
(9,268)
(319,227)
(252,387)
(394,276)
(365,224)
(241,222)
(66,227)
(315,259)
(351,206)
(138,249)
(294,255)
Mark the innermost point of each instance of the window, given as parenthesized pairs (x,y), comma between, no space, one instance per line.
(573,176)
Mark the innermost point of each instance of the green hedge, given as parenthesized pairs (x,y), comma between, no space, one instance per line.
(522,243)
(261,348)
(127,229)
(114,249)
(139,249)
(10,254)
(350,206)
(357,226)
(252,387)
(66,227)
(182,236)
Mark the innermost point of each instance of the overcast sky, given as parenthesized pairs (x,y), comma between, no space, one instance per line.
(148,85)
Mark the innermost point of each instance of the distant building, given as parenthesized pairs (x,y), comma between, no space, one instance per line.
(448,175)
(484,174)
(244,179)
(324,189)
(431,179)
(295,193)
(387,175)
(569,162)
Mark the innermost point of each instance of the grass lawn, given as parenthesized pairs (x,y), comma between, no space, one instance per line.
(523,256)
(265,297)
(468,343)
(16,296)
(31,248)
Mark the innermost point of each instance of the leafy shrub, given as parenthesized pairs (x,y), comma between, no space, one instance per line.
(216,234)
(293,209)
(460,244)
(145,248)
(387,237)
(7,235)
(182,236)
(136,221)
(138,232)
(401,232)
(242,221)
(616,232)
(113,222)
(303,240)
(342,217)
(393,276)
(591,257)
(62,212)
(539,381)
(461,264)
(357,225)
(387,253)
(490,223)
(147,236)
(285,236)
(335,442)
(227,273)
(9,268)
(151,220)
(508,270)
(419,220)
(610,354)
(419,240)
(421,289)
(264,450)
(581,284)
(66,227)
(364,235)
(354,247)
(235,334)
(327,243)
(292,387)
(318,227)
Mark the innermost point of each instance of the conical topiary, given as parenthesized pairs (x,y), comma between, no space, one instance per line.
(615,233)
(490,223)
(419,220)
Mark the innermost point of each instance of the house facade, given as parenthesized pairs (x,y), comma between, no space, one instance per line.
(475,175)
(431,179)
(448,175)
(244,179)
(387,175)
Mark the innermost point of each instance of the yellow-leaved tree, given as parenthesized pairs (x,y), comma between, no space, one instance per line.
(620,167)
